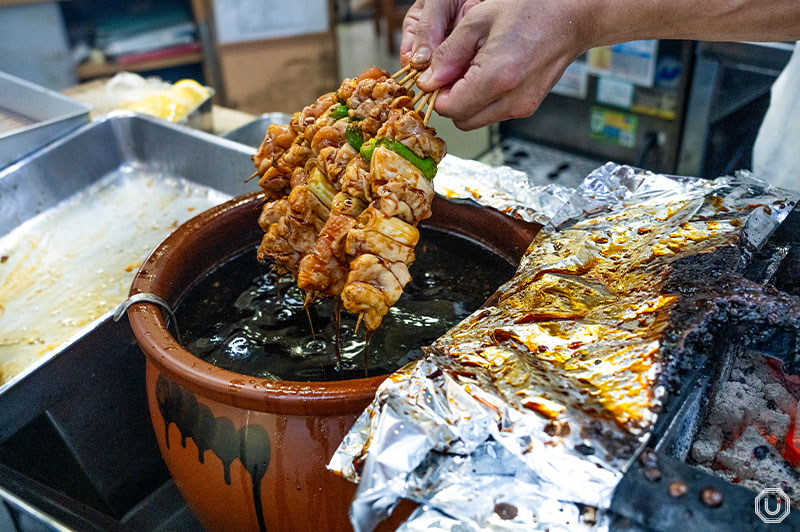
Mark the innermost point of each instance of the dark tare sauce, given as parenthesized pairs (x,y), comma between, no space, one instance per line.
(245,318)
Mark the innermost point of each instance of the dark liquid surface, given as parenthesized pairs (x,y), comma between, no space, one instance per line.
(245,318)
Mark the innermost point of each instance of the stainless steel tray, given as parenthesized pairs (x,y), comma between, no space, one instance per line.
(31,116)
(252,133)
(61,170)
(201,117)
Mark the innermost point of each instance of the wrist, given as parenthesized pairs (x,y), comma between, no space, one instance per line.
(589,23)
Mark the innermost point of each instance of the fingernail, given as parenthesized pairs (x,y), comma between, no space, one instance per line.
(426,77)
(422,55)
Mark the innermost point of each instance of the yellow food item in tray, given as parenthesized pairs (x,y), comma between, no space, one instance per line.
(156,97)
(160,105)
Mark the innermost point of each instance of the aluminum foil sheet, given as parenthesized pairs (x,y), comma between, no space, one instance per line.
(526,415)
(500,187)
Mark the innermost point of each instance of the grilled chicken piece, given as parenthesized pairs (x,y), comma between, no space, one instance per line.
(399,188)
(284,148)
(355,180)
(277,140)
(293,235)
(406,127)
(383,247)
(333,162)
(373,286)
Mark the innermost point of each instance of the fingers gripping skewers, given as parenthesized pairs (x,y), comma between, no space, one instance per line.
(357,170)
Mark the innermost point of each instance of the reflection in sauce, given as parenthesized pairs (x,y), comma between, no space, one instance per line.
(244,318)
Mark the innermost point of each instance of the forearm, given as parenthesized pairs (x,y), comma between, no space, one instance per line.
(613,21)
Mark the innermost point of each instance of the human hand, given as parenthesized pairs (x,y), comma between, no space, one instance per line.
(501,57)
(426,25)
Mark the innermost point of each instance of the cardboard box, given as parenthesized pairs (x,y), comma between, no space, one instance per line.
(283,74)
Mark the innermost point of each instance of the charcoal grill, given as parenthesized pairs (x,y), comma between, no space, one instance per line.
(664,491)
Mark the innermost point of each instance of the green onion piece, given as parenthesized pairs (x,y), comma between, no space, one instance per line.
(394,228)
(354,136)
(367,148)
(427,165)
(348,205)
(340,111)
(321,187)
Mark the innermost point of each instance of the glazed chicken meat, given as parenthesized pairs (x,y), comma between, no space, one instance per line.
(347,181)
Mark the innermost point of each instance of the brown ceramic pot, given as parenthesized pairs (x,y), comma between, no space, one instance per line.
(250,454)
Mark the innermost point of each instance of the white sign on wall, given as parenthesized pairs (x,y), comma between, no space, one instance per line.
(253,20)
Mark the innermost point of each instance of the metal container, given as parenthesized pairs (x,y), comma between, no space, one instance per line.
(201,117)
(252,133)
(59,171)
(31,116)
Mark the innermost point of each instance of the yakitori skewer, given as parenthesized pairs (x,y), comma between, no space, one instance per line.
(422,99)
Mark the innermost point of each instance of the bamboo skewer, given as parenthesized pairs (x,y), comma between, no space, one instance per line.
(417,98)
(430,107)
(422,98)
(422,101)
(411,75)
(255,174)
(401,71)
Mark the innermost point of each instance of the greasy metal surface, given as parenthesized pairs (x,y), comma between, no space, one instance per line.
(31,116)
(252,133)
(69,165)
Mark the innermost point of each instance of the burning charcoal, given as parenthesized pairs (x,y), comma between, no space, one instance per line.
(782,398)
(730,405)
(746,458)
(749,373)
(721,473)
(773,422)
(707,444)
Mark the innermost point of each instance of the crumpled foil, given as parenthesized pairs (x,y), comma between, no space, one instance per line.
(500,187)
(526,415)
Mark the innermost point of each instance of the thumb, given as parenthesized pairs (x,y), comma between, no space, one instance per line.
(434,19)
(453,57)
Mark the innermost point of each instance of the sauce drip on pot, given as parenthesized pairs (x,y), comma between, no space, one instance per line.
(245,318)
